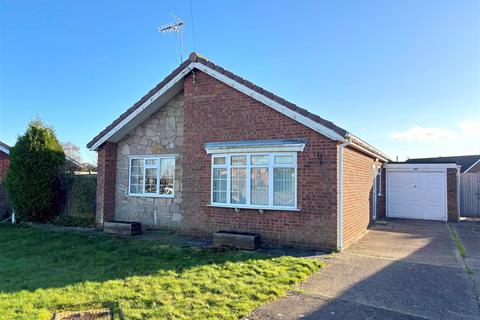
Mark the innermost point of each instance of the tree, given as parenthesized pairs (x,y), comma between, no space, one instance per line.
(33,178)
(72,151)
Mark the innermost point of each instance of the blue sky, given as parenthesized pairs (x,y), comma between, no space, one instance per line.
(403,75)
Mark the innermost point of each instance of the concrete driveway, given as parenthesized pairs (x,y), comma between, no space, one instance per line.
(404,269)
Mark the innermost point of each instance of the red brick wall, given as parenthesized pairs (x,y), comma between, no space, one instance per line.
(452,195)
(106,176)
(217,112)
(357,194)
(4,163)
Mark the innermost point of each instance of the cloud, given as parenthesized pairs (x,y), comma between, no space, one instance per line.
(470,127)
(421,134)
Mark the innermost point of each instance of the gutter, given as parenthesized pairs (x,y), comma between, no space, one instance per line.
(365,147)
(340,194)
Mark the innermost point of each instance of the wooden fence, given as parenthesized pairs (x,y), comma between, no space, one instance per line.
(470,195)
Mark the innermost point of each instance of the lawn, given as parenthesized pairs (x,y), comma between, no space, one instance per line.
(42,272)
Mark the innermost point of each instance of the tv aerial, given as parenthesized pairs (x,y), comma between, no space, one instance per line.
(175,27)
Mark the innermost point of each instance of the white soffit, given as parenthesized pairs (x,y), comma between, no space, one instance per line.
(4,150)
(254,146)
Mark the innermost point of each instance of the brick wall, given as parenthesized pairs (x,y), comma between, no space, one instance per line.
(357,194)
(4,163)
(214,111)
(452,195)
(4,206)
(106,173)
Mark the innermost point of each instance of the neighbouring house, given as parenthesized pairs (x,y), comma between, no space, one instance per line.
(206,150)
(4,163)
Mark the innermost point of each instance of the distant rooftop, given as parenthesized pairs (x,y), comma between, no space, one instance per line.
(464,161)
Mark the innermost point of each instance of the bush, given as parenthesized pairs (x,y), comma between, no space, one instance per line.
(33,178)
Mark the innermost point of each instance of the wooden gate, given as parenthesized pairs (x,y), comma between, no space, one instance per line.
(470,194)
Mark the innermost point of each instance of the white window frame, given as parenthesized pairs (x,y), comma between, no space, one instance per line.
(271,166)
(145,166)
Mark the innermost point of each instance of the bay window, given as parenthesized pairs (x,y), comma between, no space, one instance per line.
(254,180)
(151,176)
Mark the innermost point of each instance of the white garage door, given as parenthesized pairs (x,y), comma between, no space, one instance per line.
(417,194)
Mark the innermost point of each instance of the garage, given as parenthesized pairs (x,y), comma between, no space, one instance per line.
(421,191)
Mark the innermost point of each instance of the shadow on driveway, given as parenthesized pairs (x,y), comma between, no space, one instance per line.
(405,269)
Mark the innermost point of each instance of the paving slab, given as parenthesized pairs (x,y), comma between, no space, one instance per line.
(421,290)
(418,241)
(469,234)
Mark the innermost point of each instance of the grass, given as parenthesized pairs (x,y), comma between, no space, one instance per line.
(73,221)
(42,272)
(460,248)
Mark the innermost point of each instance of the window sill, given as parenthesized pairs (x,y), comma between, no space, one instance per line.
(151,196)
(253,207)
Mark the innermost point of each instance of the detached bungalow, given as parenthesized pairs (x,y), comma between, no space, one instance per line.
(206,150)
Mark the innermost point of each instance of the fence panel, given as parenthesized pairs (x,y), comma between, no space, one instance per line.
(470,194)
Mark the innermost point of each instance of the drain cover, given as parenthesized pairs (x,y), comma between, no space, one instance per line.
(97,314)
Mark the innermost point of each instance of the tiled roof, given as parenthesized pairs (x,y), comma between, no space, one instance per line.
(464,161)
(194,57)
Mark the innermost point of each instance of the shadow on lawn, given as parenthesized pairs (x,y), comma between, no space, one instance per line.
(32,258)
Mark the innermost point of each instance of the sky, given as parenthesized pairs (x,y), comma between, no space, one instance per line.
(404,75)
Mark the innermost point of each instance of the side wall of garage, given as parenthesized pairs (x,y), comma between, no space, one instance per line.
(452,195)
(358,194)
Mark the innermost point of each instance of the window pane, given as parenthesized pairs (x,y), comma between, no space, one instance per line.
(219,161)
(136,176)
(136,188)
(238,194)
(151,162)
(137,171)
(259,186)
(284,187)
(137,180)
(167,175)
(151,180)
(259,160)
(219,185)
(239,160)
(283,159)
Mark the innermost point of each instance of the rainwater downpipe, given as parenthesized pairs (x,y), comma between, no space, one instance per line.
(340,194)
